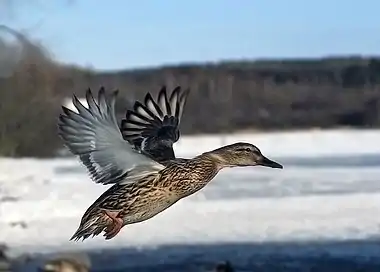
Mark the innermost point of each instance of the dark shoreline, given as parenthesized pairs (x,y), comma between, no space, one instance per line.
(363,255)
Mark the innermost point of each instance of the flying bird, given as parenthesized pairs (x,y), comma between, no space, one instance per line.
(138,159)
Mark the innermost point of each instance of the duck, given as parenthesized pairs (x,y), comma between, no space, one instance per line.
(138,160)
(64,265)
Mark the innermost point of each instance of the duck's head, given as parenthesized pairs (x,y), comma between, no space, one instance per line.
(241,154)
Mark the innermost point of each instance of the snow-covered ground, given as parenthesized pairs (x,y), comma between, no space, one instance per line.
(300,143)
(42,201)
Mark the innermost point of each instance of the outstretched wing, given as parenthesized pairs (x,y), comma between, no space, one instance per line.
(93,135)
(153,126)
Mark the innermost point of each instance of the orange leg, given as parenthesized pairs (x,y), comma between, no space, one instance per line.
(115,227)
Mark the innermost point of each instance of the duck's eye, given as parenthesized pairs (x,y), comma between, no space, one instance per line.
(244,149)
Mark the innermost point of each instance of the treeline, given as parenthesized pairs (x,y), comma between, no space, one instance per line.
(225,97)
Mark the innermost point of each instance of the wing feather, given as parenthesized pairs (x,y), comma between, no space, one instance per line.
(153,126)
(93,134)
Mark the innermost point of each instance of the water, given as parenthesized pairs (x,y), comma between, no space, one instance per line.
(332,256)
(303,177)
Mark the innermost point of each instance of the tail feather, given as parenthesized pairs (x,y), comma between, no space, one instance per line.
(92,224)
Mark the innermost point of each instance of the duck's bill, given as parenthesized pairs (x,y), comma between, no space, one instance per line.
(269,163)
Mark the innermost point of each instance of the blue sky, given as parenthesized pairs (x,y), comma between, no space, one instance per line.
(118,34)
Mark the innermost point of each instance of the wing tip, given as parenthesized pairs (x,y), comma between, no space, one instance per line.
(150,115)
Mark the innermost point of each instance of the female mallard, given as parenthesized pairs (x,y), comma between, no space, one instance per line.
(139,160)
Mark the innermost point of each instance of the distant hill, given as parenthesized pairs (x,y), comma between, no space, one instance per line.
(225,96)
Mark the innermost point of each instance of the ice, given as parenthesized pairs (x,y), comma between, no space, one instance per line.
(300,143)
(42,201)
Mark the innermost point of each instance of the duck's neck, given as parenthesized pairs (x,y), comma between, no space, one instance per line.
(217,158)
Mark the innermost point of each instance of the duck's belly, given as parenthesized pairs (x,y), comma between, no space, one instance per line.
(145,208)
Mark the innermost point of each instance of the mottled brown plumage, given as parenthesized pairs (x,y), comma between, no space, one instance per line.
(145,198)
(145,183)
